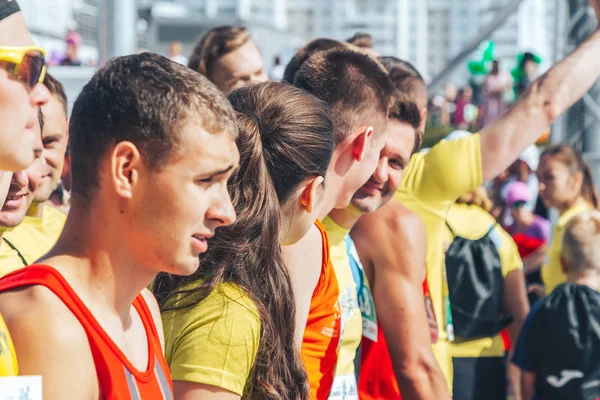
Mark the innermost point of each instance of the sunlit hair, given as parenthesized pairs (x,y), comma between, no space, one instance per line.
(581,243)
(353,85)
(311,48)
(214,44)
(361,39)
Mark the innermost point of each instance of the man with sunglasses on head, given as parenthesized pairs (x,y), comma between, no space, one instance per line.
(22,69)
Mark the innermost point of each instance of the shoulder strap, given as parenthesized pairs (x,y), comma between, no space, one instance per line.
(450,228)
(356,268)
(50,278)
(491,228)
(12,246)
(147,319)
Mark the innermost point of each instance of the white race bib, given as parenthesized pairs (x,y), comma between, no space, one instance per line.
(344,388)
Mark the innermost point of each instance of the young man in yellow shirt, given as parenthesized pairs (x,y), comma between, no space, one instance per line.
(23,186)
(43,223)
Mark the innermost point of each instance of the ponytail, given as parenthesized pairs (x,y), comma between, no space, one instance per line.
(573,160)
(285,137)
(588,187)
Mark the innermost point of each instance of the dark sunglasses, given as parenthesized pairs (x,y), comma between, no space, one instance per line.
(27,64)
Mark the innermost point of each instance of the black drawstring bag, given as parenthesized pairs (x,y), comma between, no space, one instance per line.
(563,342)
(476,287)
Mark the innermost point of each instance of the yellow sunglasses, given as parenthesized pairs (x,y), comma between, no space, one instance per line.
(27,63)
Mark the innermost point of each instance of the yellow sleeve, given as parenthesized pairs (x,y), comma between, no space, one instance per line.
(214,343)
(8,357)
(509,253)
(449,170)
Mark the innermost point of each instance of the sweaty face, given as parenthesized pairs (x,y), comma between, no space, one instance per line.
(239,68)
(176,210)
(19,116)
(393,159)
(54,139)
(22,188)
(557,184)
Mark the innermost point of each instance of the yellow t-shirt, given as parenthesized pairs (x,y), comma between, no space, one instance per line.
(344,386)
(215,342)
(10,260)
(8,356)
(472,222)
(34,237)
(431,184)
(552,274)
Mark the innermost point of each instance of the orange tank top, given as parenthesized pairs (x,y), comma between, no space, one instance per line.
(118,379)
(321,339)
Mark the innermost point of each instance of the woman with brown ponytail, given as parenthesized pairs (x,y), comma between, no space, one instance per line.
(566,184)
(230,327)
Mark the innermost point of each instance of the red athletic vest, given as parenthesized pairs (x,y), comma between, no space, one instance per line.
(377,380)
(118,379)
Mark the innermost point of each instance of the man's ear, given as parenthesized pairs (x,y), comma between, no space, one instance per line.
(362,137)
(308,199)
(125,163)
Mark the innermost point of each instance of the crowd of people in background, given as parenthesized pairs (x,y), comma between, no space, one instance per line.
(203,227)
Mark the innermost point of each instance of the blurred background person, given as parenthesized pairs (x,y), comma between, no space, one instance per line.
(530,232)
(229,58)
(175,50)
(496,85)
(567,185)
(559,343)
(73,42)
(526,72)
(277,70)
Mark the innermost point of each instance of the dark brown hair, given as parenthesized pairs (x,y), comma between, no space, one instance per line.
(573,160)
(405,110)
(361,39)
(214,44)
(285,137)
(56,89)
(313,47)
(405,77)
(353,85)
(144,99)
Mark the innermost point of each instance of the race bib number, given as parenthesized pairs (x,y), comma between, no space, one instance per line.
(21,388)
(433,328)
(344,388)
(364,295)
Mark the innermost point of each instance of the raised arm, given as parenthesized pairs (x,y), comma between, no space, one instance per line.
(396,248)
(545,100)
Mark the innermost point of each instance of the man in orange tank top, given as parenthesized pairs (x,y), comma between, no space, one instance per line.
(153,145)
(339,77)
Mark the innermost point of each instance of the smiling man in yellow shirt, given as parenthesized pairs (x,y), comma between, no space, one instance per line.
(43,224)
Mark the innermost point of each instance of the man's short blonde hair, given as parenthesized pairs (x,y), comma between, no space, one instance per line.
(581,243)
